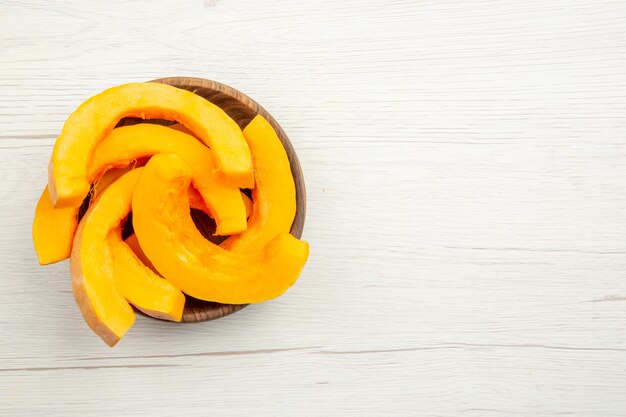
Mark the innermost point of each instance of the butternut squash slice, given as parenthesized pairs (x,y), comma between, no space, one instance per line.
(54,228)
(129,143)
(195,199)
(133,243)
(274,195)
(140,285)
(96,117)
(109,178)
(195,202)
(105,270)
(247,202)
(169,238)
(103,307)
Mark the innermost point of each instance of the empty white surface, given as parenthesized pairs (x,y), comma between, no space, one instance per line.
(466,178)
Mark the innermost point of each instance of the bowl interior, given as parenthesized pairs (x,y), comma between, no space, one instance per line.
(242,109)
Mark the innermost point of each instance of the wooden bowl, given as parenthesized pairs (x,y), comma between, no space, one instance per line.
(242,109)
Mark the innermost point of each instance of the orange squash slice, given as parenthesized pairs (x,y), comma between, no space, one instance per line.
(140,285)
(96,117)
(103,307)
(133,243)
(195,202)
(53,229)
(169,238)
(129,143)
(105,270)
(109,178)
(274,195)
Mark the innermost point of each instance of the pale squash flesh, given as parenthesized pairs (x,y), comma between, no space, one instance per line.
(96,117)
(274,194)
(169,238)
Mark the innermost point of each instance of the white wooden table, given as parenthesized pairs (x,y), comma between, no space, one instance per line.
(466,176)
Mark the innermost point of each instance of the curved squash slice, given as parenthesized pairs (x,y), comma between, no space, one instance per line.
(195,199)
(274,195)
(126,144)
(195,202)
(133,243)
(142,287)
(105,269)
(96,117)
(169,238)
(91,263)
(107,179)
(53,228)
(247,202)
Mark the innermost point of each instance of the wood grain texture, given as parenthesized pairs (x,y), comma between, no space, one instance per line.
(465,166)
